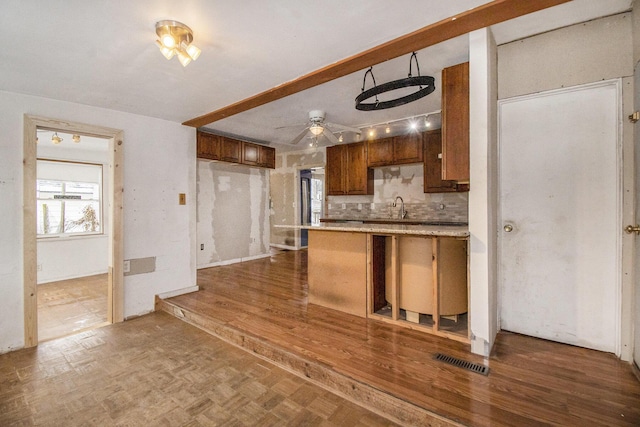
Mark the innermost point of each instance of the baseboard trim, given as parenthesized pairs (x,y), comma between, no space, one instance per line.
(232,261)
(177,292)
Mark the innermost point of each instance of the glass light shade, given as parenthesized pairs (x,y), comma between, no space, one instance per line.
(183,58)
(316,129)
(168,53)
(76,138)
(192,50)
(168,41)
(56,139)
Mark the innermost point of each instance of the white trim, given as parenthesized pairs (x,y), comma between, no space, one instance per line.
(178,292)
(287,247)
(617,82)
(233,261)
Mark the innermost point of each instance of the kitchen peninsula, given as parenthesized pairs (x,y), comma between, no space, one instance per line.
(413,275)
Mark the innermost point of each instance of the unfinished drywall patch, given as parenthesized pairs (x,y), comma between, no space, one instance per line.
(284,190)
(233,212)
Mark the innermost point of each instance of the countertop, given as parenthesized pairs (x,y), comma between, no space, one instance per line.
(384,228)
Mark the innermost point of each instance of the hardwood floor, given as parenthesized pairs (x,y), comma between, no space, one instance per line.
(262,306)
(73,305)
(158,371)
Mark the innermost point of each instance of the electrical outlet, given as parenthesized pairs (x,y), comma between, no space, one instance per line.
(182,198)
(202,246)
(127,266)
(39,267)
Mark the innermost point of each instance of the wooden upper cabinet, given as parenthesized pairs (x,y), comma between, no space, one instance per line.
(267,157)
(208,146)
(347,172)
(380,152)
(230,149)
(397,150)
(250,154)
(336,170)
(216,147)
(455,123)
(359,176)
(407,148)
(433,182)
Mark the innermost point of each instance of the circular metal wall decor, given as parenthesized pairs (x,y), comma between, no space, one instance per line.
(425,84)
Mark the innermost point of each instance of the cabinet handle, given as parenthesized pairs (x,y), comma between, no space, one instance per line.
(508,228)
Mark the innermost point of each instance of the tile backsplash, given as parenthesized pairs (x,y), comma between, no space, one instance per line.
(451,207)
(407,182)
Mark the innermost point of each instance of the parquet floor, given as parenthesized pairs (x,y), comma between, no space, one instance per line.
(262,306)
(159,371)
(73,305)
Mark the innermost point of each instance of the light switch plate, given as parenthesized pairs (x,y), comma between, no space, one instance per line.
(182,198)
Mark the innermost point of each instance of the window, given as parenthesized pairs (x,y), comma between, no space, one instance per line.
(69,198)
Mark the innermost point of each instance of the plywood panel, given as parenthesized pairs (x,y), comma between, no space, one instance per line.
(338,271)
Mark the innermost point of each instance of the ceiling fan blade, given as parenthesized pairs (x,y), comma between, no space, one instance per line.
(331,137)
(343,128)
(291,126)
(299,137)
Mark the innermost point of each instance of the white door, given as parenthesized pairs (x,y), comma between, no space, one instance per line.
(560,207)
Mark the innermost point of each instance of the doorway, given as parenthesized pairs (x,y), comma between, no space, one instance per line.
(112,204)
(311,200)
(72,221)
(560,206)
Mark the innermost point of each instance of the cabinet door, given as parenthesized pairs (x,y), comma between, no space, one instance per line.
(433,182)
(335,168)
(455,123)
(380,152)
(407,149)
(250,154)
(208,146)
(229,150)
(359,176)
(267,157)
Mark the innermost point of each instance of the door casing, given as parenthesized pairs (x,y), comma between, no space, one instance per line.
(115,296)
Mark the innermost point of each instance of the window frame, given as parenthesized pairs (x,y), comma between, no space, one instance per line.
(79,234)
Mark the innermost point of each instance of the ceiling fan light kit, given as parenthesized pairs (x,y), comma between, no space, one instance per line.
(175,39)
(425,84)
(318,128)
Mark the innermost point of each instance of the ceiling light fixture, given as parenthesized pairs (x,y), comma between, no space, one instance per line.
(76,138)
(175,39)
(387,130)
(340,138)
(427,81)
(55,138)
(316,129)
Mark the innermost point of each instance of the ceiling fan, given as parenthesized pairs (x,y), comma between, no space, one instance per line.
(317,127)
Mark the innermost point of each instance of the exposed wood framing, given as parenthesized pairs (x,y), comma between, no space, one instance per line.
(463,23)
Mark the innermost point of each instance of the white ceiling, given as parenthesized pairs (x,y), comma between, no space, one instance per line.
(102,53)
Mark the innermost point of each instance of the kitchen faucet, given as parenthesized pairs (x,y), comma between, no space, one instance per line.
(402,214)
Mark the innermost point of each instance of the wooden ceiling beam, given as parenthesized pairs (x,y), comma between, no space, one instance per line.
(483,16)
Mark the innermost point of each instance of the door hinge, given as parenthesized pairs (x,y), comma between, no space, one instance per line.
(634,117)
(631,229)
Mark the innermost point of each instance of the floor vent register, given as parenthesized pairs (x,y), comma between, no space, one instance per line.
(469,366)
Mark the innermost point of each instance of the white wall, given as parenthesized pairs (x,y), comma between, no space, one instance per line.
(483,200)
(159,163)
(233,213)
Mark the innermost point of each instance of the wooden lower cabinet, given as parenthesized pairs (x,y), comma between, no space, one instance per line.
(337,270)
(413,281)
